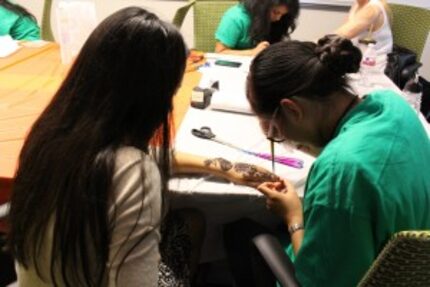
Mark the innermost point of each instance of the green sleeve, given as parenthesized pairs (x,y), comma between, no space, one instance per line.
(229,31)
(25,29)
(337,248)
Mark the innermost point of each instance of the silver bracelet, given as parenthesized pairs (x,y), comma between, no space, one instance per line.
(294,227)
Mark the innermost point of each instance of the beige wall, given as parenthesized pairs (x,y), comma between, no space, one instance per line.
(313,23)
(164,9)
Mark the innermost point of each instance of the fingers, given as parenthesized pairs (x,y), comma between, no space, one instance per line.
(271,189)
(265,189)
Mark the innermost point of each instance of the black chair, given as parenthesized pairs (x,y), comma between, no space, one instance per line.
(404,261)
(275,257)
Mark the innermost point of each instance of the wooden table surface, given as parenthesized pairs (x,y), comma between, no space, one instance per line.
(28,80)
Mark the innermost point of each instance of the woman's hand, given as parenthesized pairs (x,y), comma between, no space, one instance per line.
(223,49)
(260,47)
(281,198)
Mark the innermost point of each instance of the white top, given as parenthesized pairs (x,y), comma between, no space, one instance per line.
(136,178)
(383,36)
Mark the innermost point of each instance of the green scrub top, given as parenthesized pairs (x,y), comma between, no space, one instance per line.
(17,26)
(233,30)
(371,181)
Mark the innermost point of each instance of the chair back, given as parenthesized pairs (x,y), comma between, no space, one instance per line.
(404,261)
(46,21)
(207,15)
(411,26)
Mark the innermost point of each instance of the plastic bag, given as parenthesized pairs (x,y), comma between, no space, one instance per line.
(75,20)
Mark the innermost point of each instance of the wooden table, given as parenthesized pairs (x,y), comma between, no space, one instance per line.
(28,80)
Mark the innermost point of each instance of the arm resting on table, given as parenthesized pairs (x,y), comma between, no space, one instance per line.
(240,173)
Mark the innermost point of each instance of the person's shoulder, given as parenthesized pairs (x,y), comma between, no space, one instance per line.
(393,105)
(127,154)
(374,7)
(130,159)
(134,170)
(7,16)
(237,11)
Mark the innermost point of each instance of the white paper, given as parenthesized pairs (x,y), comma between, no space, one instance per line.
(231,94)
(8,46)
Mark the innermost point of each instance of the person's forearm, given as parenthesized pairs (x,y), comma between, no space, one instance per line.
(188,163)
(351,30)
(296,240)
(297,235)
(249,52)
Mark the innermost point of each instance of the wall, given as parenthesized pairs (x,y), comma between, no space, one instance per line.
(164,9)
(314,22)
(418,3)
(325,20)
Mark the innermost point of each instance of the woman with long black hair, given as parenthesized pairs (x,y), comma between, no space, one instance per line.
(17,22)
(87,202)
(250,26)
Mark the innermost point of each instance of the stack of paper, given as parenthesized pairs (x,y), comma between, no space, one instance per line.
(231,95)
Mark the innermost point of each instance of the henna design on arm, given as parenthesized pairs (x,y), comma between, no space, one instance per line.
(219,162)
(250,172)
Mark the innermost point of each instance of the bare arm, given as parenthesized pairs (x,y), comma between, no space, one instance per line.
(362,21)
(222,49)
(241,173)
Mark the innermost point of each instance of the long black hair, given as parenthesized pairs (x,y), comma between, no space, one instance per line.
(118,92)
(295,68)
(262,29)
(17,9)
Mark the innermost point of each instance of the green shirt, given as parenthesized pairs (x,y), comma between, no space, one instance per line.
(233,30)
(370,181)
(17,26)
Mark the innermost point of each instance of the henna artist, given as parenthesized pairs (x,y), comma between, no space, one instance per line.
(370,178)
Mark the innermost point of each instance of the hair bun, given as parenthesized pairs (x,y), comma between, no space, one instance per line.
(339,54)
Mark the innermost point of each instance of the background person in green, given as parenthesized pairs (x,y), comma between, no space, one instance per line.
(250,26)
(371,176)
(17,22)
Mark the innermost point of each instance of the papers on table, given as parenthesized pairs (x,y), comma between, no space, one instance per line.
(231,93)
(7,46)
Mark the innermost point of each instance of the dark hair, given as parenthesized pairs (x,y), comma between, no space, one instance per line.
(118,92)
(17,9)
(262,29)
(306,69)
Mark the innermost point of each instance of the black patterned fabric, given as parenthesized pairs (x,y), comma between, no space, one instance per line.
(404,261)
(175,251)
